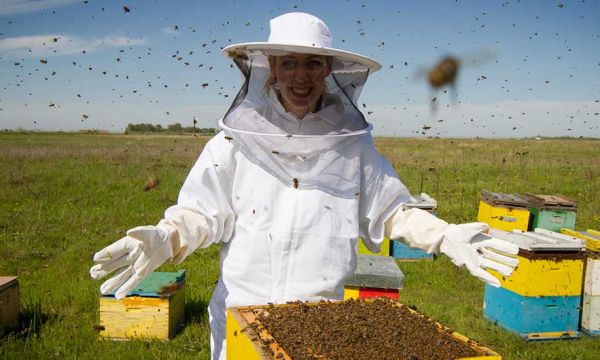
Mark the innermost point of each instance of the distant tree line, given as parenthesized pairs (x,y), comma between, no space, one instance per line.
(176,128)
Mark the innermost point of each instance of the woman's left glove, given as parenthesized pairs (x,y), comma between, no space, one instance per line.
(139,253)
(467,244)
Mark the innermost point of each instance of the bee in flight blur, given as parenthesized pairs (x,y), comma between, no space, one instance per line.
(444,73)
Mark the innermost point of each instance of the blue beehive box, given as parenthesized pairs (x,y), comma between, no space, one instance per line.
(533,317)
(404,252)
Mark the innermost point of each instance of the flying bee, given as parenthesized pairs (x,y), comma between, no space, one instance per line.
(151,183)
(445,72)
(169,290)
(237,54)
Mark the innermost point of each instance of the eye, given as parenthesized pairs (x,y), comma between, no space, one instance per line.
(288,64)
(315,65)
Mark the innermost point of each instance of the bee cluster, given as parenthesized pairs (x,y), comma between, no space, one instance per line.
(356,329)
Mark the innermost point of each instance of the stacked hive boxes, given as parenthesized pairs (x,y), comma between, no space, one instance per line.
(590,310)
(375,276)
(154,310)
(541,299)
(402,251)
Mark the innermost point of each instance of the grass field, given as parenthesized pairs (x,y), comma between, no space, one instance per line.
(65,196)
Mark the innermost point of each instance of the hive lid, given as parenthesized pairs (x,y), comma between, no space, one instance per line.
(554,202)
(539,240)
(502,199)
(422,201)
(376,271)
(7,281)
(157,284)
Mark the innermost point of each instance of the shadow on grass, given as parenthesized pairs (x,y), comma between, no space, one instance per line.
(196,311)
(31,319)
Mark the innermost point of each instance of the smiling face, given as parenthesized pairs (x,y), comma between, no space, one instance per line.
(300,79)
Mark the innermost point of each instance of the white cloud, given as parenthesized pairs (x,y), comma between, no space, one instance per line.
(57,44)
(12,7)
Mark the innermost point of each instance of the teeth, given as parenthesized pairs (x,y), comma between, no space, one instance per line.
(301,91)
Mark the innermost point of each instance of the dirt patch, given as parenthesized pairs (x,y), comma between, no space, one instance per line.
(358,329)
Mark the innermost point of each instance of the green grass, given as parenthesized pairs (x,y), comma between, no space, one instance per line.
(65,196)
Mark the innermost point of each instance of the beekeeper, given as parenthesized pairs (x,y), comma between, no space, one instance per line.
(289,186)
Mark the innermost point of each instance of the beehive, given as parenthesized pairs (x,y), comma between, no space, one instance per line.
(590,309)
(9,303)
(503,211)
(541,299)
(375,276)
(154,310)
(591,238)
(552,212)
(404,252)
(384,251)
(248,339)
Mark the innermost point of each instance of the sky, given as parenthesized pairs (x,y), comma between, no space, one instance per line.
(527,68)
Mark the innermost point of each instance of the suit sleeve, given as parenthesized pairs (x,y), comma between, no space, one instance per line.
(203,214)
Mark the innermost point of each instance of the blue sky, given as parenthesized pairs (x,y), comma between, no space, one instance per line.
(536,70)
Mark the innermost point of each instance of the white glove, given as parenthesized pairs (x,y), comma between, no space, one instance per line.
(466,244)
(143,250)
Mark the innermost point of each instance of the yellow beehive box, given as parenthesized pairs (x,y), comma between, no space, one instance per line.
(154,310)
(248,339)
(384,251)
(503,211)
(549,264)
(591,237)
(9,303)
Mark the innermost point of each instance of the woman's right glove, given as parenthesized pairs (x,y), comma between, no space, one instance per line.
(139,253)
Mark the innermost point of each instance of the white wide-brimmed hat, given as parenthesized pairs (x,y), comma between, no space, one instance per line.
(298,32)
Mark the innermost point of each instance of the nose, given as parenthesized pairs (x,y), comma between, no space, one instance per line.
(301,73)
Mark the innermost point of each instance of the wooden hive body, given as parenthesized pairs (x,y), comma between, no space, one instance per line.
(384,251)
(590,308)
(503,211)
(154,310)
(375,276)
(552,212)
(533,317)
(9,303)
(245,342)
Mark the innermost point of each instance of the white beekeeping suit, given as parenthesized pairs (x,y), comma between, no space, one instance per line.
(288,198)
